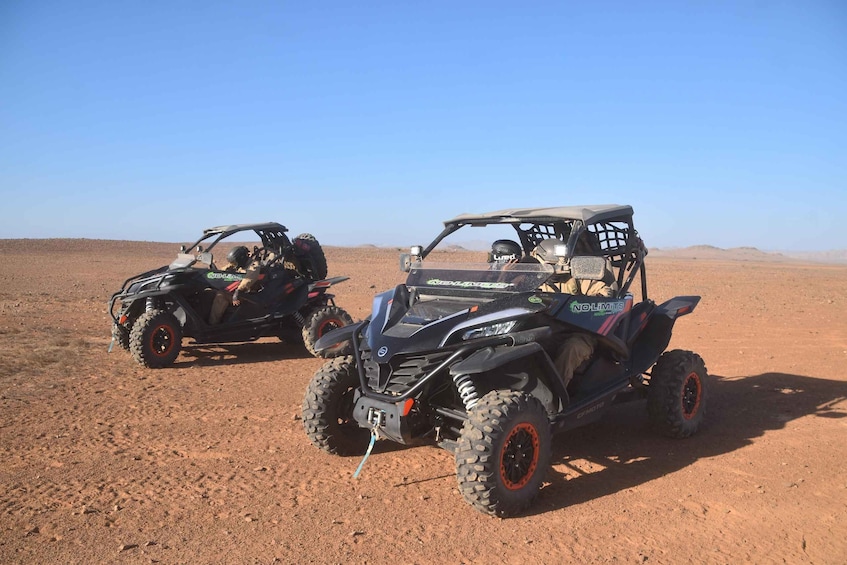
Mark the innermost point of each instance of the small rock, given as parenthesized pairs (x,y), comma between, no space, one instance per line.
(260,469)
(127,546)
(357,533)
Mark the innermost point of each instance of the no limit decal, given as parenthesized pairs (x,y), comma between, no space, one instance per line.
(597,308)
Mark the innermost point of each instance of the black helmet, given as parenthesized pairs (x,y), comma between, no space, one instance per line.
(504,251)
(546,250)
(238,256)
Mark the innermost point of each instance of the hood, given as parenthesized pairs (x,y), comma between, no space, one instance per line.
(443,304)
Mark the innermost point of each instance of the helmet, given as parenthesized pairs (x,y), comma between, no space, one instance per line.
(504,251)
(546,250)
(238,256)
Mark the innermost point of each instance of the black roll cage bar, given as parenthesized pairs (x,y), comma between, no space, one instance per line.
(621,245)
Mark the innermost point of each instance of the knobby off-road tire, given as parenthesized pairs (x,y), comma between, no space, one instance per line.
(120,332)
(319,323)
(155,339)
(121,335)
(503,453)
(311,256)
(328,409)
(678,392)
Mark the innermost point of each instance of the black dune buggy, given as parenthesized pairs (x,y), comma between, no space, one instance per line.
(153,311)
(462,355)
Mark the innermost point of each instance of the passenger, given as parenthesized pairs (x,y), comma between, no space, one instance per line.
(577,347)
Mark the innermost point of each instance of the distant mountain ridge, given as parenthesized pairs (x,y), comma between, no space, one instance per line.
(85,245)
(749,254)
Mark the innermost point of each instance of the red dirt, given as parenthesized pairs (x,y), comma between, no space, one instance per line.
(207,461)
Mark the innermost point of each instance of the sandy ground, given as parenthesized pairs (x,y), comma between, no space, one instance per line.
(207,462)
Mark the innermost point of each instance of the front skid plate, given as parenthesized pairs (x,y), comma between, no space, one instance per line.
(386,417)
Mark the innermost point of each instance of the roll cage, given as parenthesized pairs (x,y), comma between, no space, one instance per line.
(607,228)
(272,235)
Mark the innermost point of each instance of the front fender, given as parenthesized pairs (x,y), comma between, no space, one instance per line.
(546,385)
(338,335)
(489,358)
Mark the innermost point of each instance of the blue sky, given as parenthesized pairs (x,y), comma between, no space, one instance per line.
(721,123)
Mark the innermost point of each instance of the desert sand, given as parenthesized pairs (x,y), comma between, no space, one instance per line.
(104,461)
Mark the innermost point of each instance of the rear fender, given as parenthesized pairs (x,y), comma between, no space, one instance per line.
(656,335)
(326,283)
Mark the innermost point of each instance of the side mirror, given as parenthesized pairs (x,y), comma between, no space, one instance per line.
(587,267)
(405,262)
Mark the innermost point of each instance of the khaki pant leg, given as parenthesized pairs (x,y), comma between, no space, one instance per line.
(219,306)
(573,352)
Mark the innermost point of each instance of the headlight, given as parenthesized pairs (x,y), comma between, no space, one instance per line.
(488,331)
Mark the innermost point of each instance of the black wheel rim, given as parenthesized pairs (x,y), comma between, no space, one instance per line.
(161,340)
(344,409)
(691,396)
(329,325)
(520,456)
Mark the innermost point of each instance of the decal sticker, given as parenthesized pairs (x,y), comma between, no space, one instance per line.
(470,284)
(597,308)
(383,351)
(535,299)
(228,277)
(591,409)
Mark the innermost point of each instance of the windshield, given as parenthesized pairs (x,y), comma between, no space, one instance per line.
(482,277)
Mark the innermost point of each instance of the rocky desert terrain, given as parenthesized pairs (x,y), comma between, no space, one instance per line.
(104,461)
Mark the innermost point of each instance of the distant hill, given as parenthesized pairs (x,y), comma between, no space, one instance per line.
(83,245)
(748,254)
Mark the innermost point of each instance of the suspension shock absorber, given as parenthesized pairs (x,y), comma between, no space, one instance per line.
(298,317)
(152,303)
(467,390)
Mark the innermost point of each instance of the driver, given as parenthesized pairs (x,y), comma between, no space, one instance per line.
(239,262)
(504,252)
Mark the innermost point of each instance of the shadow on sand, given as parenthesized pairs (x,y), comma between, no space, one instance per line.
(629,453)
(219,355)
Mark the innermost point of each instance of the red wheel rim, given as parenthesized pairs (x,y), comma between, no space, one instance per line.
(333,323)
(691,395)
(520,456)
